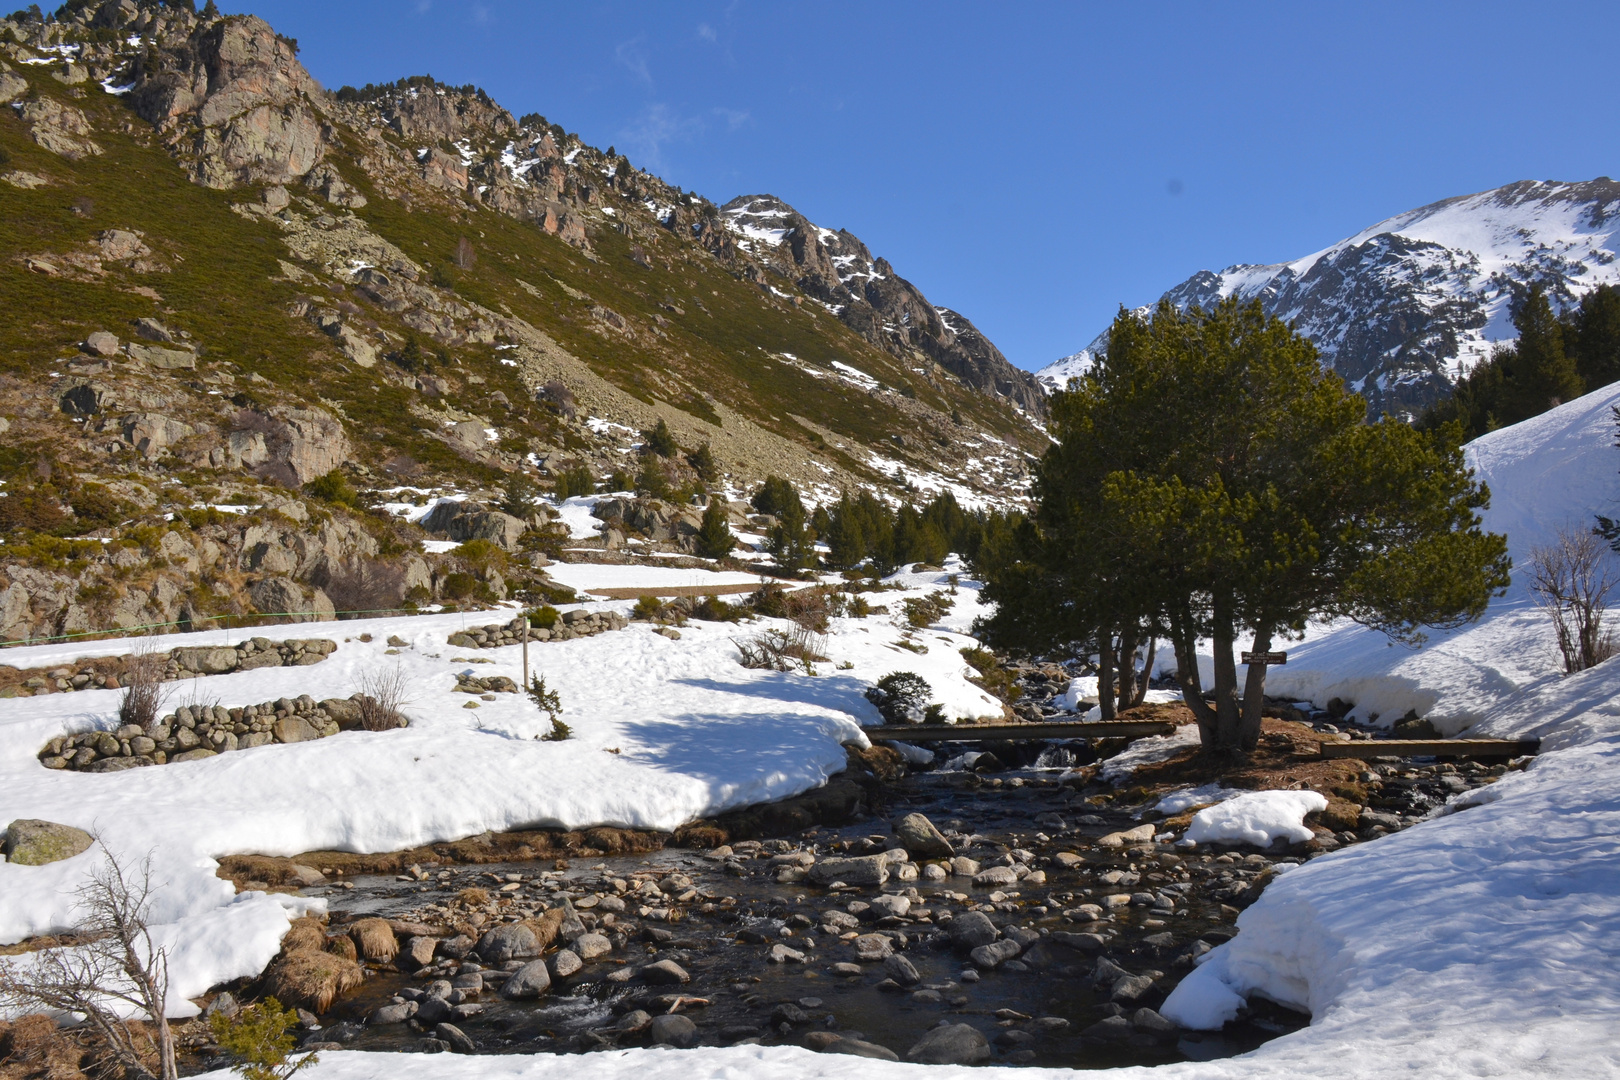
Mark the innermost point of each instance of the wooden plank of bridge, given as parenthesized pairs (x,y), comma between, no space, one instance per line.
(1468,748)
(1095,729)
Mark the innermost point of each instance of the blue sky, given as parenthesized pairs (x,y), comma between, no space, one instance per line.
(1033,165)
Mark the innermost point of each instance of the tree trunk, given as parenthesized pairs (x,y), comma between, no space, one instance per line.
(1192,692)
(1147,671)
(1227,717)
(1127,667)
(1105,672)
(1254,695)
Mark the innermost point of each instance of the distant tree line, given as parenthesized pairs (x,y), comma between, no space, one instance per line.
(1556,359)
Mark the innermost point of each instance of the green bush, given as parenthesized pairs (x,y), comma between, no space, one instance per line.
(574,480)
(661,441)
(260,1037)
(333,488)
(714,609)
(544,617)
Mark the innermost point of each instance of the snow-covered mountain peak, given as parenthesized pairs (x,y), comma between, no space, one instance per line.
(1405,306)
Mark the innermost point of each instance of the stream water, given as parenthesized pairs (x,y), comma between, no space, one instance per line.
(718,917)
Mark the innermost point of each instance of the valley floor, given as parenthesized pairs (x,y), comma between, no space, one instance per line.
(1481,943)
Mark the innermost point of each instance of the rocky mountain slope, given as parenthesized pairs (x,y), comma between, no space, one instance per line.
(1402,308)
(223,282)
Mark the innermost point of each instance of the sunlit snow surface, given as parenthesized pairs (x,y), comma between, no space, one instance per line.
(693,734)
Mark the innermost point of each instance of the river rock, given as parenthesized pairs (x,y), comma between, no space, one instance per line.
(1112,1028)
(31,842)
(921,839)
(901,970)
(891,904)
(996,876)
(592,946)
(458,1040)
(529,981)
(433,1010)
(781,954)
(995,953)
(953,1044)
(673,1029)
(664,973)
(962,866)
(870,948)
(867,870)
(1152,1022)
(861,1048)
(418,951)
(510,942)
(1142,834)
(971,929)
(1131,988)
(564,963)
(392,1014)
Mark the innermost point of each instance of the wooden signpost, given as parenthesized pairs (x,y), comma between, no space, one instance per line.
(1268,658)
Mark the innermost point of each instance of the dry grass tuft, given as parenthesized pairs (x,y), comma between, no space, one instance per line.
(37,1048)
(344,947)
(375,939)
(311,980)
(546,926)
(474,897)
(304,935)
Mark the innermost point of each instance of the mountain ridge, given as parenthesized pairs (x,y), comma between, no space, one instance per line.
(1404,307)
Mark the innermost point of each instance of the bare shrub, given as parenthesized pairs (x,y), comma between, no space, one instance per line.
(116,970)
(466,257)
(143,691)
(384,692)
(778,650)
(360,586)
(1572,578)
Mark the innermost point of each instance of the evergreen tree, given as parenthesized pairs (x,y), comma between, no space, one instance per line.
(714,538)
(1592,337)
(776,497)
(1517,381)
(652,479)
(846,542)
(1209,477)
(661,441)
(1544,375)
(703,463)
(518,498)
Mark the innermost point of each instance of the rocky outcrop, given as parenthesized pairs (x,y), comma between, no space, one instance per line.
(234,98)
(464,521)
(284,596)
(59,128)
(870,298)
(290,446)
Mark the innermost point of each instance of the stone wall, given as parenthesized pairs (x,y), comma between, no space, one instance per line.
(573,624)
(190,662)
(201,731)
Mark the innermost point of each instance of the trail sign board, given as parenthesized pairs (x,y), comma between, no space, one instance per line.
(1265,658)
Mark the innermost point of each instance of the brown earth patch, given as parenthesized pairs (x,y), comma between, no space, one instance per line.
(1287,759)
(843,796)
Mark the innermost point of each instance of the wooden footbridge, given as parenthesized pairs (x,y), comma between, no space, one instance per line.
(1041,731)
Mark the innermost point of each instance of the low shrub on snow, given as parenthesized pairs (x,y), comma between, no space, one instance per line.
(902,697)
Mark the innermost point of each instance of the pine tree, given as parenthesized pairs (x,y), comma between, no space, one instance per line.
(1592,337)
(703,463)
(714,537)
(1210,478)
(661,441)
(1542,375)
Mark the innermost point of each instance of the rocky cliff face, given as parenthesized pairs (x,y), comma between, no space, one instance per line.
(1402,308)
(838,271)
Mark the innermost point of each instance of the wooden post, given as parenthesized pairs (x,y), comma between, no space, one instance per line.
(525,652)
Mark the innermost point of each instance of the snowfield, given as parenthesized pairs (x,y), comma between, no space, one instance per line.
(664,732)
(1480,943)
